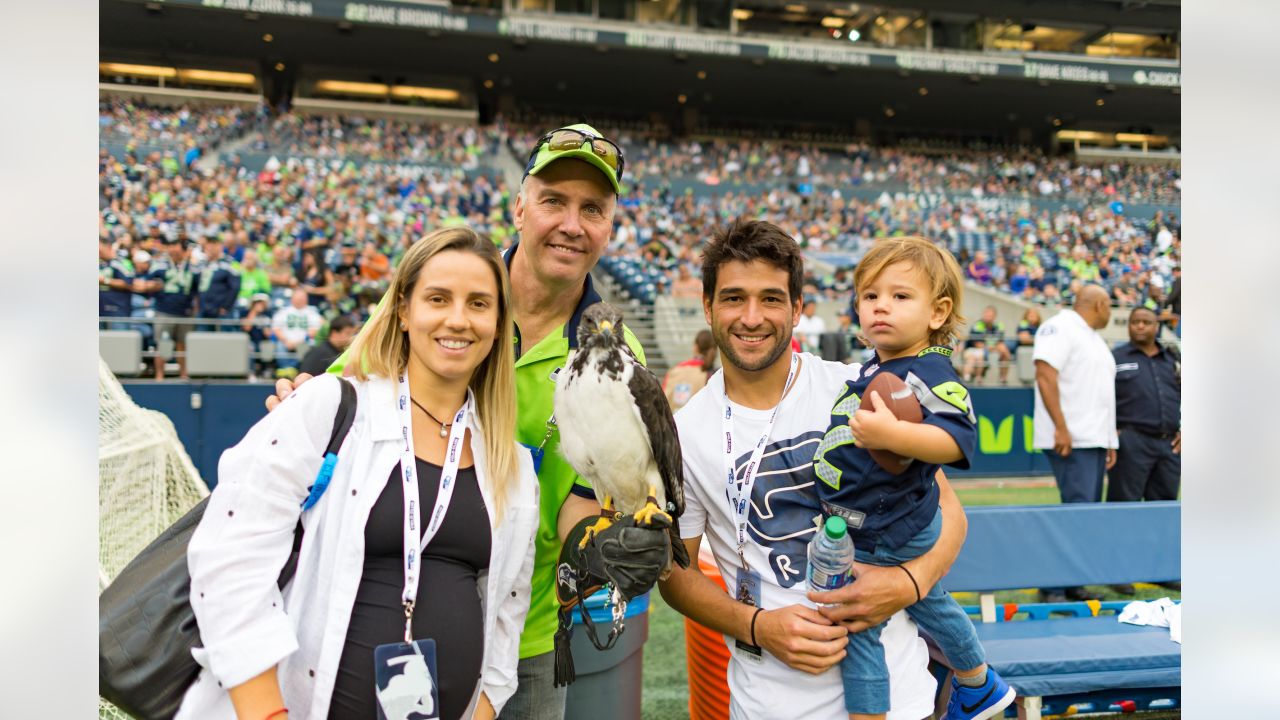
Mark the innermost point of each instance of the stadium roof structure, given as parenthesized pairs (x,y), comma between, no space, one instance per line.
(594,67)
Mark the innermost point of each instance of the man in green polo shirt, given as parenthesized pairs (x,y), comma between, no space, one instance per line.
(564,217)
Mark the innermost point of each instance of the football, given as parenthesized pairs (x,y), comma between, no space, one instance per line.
(900,401)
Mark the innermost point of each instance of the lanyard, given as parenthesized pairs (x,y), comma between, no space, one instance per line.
(551,428)
(541,450)
(740,494)
(412,514)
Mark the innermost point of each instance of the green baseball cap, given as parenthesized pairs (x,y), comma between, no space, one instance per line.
(579,141)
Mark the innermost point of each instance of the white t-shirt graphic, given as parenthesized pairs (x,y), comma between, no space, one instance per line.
(781,521)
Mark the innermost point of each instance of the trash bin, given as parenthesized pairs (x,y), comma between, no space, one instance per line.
(608,682)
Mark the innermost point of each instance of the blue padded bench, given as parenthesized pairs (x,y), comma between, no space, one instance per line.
(1011,547)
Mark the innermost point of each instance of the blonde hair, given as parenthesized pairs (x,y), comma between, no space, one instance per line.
(382,349)
(938,266)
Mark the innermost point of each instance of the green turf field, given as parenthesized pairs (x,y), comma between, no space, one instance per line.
(1014,495)
(666,684)
(666,693)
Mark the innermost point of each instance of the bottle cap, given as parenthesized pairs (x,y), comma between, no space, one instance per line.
(835,527)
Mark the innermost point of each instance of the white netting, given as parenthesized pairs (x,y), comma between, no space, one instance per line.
(107,711)
(145,482)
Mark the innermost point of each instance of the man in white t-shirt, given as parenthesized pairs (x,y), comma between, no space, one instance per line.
(292,326)
(809,328)
(783,651)
(1075,414)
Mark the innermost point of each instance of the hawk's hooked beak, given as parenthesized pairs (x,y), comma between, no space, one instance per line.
(606,327)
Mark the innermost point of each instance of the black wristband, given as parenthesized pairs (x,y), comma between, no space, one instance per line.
(753,626)
(913,581)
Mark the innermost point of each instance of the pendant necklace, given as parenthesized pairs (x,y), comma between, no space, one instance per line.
(444,427)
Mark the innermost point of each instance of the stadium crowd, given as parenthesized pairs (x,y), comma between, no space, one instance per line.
(142,129)
(1040,256)
(231,245)
(977,174)
(333,229)
(377,139)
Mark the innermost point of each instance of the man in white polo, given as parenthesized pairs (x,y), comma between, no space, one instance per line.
(1075,415)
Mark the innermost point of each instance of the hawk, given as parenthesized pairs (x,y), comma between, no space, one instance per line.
(616,430)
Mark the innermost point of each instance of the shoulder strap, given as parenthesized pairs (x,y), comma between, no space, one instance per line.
(342,421)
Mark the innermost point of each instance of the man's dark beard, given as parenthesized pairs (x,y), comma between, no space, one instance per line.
(723,339)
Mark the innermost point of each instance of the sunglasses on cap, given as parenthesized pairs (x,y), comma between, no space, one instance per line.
(569,139)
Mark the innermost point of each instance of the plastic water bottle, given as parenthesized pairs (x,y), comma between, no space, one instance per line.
(830,556)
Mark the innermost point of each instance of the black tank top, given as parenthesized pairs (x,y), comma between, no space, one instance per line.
(447,609)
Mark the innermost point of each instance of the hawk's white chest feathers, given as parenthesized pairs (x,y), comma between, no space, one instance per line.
(601,433)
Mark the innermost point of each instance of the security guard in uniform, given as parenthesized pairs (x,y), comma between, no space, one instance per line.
(1148,415)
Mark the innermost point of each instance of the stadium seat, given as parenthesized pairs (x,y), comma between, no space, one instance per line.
(1025,363)
(122,351)
(215,354)
(165,346)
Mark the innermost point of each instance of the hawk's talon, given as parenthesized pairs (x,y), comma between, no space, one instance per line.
(607,518)
(599,526)
(651,515)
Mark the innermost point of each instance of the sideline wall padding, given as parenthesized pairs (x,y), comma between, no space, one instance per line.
(212,416)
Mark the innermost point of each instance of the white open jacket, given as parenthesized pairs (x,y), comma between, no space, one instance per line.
(247,625)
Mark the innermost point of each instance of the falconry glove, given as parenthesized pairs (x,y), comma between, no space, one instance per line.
(628,556)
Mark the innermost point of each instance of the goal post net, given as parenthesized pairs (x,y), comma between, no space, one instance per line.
(146,481)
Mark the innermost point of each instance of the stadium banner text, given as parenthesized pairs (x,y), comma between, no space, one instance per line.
(439,17)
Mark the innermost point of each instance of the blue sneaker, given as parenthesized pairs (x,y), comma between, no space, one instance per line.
(980,703)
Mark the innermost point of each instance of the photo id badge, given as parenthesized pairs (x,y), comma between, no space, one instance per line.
(746,589)
(405,681)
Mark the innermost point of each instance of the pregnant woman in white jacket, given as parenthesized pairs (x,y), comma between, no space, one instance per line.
(425,532)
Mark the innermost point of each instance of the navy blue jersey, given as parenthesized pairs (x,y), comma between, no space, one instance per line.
(879,507)
(219,286)
(990,334)
(178,293)
(351,272)
(155,273)
(112,302)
